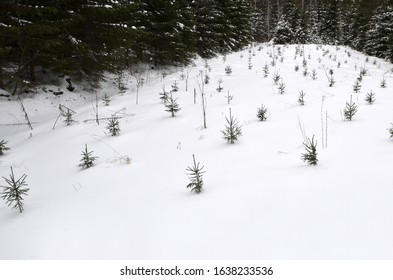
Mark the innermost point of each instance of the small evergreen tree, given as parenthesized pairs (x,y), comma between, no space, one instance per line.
(175,87)
(357,86)
(232,130)
(314,74)
(207,78)
(229,97)
(383,83)
(220,88)
(195,173)
(265,70)
(113,125)
(106,99)
(370,99)
(391,130)
(3,147)
(300,98)
(87,159)
(310,156)
(14,192)
(276,78)
(350,110)
(296,68)
(172,106)
(68,117)
(281,87)
(262,113)
(228,70)
(67,113)
(164,96)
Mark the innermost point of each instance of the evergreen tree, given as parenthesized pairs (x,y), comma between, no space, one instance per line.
(169,35)
(391,131)
(370,97)
(14,192)
(207,27)
(310,156)
(329,21)
(283,33)
(87,159)
(172,106)
(232,130)
(113,125)
(300,99)
(350,110)
(262,113)
(195,174)
(3,147)
(380,35)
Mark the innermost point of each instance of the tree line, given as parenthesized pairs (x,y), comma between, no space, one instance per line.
(84,38)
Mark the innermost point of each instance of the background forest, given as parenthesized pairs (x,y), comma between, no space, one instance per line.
(82,39)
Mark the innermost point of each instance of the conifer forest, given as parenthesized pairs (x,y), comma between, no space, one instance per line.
(84,38)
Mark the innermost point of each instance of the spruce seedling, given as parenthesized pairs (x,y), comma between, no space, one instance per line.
(106,99)
(174,86)
(310,156)
(262,113)
(350,110)
(172,106)
(300,98)
(14,192)
(87,159)
(391,130)
(265,70)
(314,74)
(383,83)
(68,117)
(370,99)
(220,87)
(357,86)
(164,96)
(228,70)
(195,173)
(3,147)
(276,78)
(113,125)
(232,130)
(281,87)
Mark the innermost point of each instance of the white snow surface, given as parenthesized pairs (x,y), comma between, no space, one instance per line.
(260,200)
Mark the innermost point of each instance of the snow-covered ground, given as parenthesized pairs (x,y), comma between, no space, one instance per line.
(260,200)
